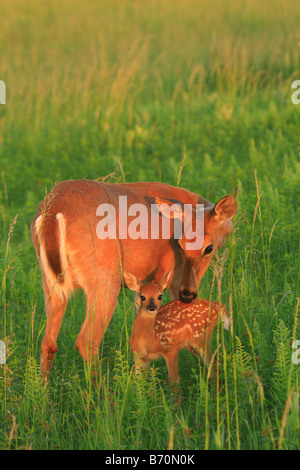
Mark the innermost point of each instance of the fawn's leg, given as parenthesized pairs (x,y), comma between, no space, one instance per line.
(55,309)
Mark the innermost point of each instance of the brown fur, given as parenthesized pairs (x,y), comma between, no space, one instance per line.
(165,331)
(71,256)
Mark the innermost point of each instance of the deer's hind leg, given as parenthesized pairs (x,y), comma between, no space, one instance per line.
(55,309)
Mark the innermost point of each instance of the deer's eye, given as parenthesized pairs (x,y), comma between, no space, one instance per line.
(143,297)
(159,297)
(208,249)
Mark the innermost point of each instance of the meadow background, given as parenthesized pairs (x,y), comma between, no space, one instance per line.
(196,93)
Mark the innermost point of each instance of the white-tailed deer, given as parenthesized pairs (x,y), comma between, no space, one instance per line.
(165,331)
(72,256)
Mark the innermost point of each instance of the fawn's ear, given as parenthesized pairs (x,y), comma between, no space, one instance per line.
(164,281)
(132,282)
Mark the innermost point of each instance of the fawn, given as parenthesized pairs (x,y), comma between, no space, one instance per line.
(165,331)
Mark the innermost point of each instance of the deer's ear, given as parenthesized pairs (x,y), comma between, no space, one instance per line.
(132,282)
(164,281)
(225,208)
(169,209)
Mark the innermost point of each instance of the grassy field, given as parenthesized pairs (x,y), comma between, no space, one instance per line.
(195,93)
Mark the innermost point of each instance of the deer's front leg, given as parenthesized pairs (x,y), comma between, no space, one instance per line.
(137,302)
(177,278)
(172,363)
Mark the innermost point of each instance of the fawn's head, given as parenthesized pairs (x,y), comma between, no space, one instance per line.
(150,294)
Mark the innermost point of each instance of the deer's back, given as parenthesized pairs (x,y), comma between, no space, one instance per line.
(177,322)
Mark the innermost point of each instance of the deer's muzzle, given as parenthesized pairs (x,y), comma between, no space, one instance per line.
(186,296)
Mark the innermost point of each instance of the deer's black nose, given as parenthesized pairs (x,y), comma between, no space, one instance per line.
(186,296)
(151,308)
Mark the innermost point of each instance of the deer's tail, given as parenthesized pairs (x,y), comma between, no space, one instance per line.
(48,232)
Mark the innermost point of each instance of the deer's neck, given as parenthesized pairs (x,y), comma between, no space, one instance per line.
(145,322)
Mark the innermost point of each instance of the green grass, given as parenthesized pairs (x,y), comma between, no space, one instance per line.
(133,87)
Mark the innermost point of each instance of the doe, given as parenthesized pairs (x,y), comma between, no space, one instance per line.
(165,331)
